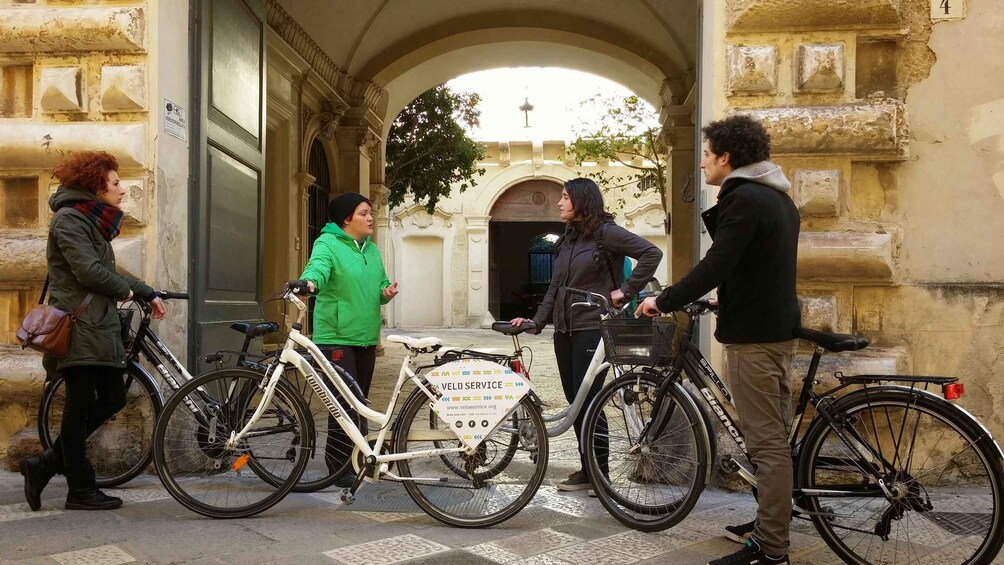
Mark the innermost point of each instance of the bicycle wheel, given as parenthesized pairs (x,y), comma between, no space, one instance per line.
(123,446)
(939,499)
(190,444)
(502,451)
(649,483)
(482,495)
(324,465)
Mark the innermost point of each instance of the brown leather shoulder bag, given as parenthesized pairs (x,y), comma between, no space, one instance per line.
(47,328)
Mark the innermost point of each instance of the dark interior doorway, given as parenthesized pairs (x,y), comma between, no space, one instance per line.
(517,293)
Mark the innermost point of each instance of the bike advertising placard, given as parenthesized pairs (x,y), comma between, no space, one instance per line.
(475,395)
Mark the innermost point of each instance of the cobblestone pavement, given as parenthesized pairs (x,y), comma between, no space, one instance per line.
(383,526)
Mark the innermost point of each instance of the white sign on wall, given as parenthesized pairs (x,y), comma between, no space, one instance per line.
(475,396)
(175,120)
(942,10)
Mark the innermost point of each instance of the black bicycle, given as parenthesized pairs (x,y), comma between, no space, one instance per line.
(886,467)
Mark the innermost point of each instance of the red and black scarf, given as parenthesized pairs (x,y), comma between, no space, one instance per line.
(107,218)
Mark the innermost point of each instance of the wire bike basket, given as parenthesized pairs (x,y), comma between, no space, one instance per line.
(641,341)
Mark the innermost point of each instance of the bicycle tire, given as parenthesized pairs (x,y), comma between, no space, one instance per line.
(652,487)
(136,420)
(319,473)
(225,399)
(948,525)
(476,500)
(509,452)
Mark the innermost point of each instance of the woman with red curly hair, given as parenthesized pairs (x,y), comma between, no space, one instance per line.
(81,267)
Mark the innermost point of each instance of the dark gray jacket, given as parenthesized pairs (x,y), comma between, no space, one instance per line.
(79,261)
(577,264)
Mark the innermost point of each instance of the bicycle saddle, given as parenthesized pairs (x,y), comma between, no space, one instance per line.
(832,342)
(509,329)
(423,345)
(255,329)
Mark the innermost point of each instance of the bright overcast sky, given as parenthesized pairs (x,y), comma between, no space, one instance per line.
(554,93)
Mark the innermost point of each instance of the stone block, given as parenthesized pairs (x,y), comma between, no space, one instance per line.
(22,260)
(845,256)
(40,146)
(135,203)
(24,443)
(817,192)
(72,29)
(123,88)
(761,15)
(875,132)
(21,374)
(820,68)
(819,312)
(752,69)
(60,88)
(130,256)
(870,361)
(16,86)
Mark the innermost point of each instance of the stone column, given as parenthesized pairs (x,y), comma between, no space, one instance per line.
(477,270)
(683,187)
(355,147)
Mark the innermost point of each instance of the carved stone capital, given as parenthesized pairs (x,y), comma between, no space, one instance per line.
(331,116)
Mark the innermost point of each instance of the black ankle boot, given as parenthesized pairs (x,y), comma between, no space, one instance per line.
(37,472)
(90,498)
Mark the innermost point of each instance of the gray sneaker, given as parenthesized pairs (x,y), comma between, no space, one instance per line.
(576,481)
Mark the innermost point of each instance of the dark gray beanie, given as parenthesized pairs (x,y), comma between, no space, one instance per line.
(341,208)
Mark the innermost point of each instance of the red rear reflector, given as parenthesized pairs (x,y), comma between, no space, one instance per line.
(953,391)
(517,367)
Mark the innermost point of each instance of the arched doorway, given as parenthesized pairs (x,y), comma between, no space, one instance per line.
(523,220)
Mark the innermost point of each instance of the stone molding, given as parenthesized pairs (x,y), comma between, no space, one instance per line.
(123,88)
(358,93)
(42,145)
(769,15)
(23,259)
(416,216)
(78,29)
(870,132)
(845,256)
(21,374)
(61,90)
(752,69)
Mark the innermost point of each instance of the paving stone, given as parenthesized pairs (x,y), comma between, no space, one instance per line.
(102,555)
(386,551)
(493,553)
(534,543)
(455,557)
(641,545)
(21,511)
(591,554)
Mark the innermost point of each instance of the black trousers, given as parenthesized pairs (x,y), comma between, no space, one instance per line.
(359,362)
(574,351)
(94,394)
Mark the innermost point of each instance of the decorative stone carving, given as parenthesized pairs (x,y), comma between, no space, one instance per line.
(331,116)
(568,156)
(750,15)
(135,202)
(752,69)
(875,132)
(845,256)
(505,154)
(537,162)
(123,88)
(418,217)
(366,140)
(306,114)
(819,312)
(817,193)
(130,256)
(93,28)
(60,88)
(820,68)
(41,145)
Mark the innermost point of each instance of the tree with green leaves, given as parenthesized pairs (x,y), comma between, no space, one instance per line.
(624,131)
(428,149)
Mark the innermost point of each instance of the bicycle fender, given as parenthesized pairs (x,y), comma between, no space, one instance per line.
(962,412)
(156,387)
(706,438)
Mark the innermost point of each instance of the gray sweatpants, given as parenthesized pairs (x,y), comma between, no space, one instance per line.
(760,379)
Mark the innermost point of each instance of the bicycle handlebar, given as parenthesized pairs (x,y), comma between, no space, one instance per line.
(299,287)
(603,301)
(167,295)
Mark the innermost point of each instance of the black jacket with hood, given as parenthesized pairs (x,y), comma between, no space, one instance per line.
(755,229)
(578,264)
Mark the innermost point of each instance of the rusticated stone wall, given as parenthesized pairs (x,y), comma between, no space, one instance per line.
(72,77)
(871,107)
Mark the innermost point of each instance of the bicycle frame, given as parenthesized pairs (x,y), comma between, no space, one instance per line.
(330,399)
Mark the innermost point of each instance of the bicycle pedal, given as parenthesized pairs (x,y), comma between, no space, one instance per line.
(347,497)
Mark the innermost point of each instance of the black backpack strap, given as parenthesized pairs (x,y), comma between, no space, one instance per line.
(603,255)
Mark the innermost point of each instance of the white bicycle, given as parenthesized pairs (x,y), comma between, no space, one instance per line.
(222,432)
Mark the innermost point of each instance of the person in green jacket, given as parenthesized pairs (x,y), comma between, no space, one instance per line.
(80,262)
(346,271)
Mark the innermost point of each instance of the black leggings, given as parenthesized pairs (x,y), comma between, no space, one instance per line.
(359,362)
(94,393)
(574,351)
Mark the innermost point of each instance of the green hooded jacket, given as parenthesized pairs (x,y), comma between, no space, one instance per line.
(79,260)
(350,283)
